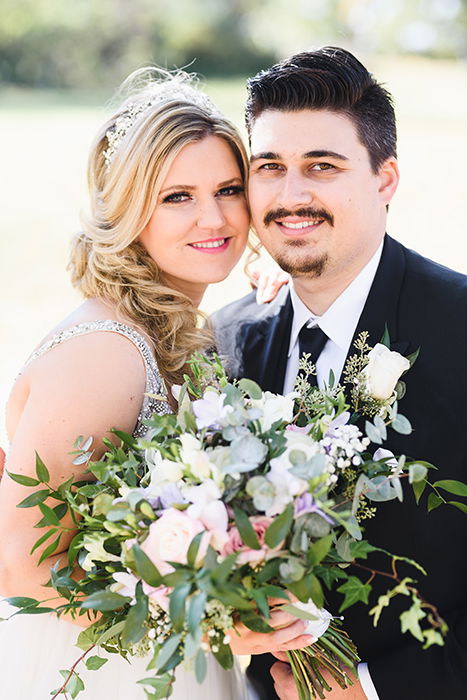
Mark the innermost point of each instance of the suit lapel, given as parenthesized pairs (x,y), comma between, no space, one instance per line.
(382,305)
(265,346)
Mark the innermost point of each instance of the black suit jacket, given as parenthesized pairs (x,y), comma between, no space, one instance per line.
(424,305)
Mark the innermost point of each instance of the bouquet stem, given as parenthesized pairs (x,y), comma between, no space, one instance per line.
(334,652)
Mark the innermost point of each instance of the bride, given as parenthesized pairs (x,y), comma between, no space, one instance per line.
(168,216)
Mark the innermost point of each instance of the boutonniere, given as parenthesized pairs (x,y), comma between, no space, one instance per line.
(374,375)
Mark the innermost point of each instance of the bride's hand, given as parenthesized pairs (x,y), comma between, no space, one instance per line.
(289,634)
(267,281)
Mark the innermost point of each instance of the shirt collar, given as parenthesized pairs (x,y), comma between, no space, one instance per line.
(340,320)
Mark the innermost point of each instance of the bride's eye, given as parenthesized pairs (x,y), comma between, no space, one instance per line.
(231,191)
(176,197)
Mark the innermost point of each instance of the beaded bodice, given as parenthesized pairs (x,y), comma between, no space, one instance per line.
(154,382)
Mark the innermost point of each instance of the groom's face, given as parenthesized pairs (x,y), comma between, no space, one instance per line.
(316,203)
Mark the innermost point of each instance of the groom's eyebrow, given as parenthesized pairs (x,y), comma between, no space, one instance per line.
(271,155)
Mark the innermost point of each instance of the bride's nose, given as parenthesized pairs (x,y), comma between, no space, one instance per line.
(210,215)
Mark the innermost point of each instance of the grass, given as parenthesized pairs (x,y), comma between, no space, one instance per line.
(45,139)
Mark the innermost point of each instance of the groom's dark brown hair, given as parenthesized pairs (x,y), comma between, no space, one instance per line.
(329,78)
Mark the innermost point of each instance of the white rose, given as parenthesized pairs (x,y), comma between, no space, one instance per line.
(275,407)
(318,626)
(383,371)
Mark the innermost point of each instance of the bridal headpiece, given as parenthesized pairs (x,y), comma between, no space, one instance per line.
(167,93)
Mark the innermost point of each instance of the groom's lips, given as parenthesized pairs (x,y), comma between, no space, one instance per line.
(295,227)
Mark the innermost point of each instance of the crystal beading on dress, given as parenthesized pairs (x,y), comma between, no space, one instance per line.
(154,382)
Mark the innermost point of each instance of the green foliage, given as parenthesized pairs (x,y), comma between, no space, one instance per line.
(355,591)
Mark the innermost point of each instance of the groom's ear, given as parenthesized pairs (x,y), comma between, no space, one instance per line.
(388,176)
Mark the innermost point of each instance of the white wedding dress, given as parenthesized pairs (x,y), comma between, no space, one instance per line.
(34,648)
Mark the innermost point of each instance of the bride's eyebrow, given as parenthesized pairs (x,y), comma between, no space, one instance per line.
(178,187)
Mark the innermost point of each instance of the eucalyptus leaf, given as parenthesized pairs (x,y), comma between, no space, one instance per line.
(105,601)
(401,425)
(417,472)
(251,388)
(177,603)
(145,568)
(195,614)
(373,433)
(135,629)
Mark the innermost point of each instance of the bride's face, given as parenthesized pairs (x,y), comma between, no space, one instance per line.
(198,230)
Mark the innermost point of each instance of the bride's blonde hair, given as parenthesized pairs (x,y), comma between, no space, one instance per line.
(162,112)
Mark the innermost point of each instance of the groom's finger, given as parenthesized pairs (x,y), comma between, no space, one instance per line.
(284,683)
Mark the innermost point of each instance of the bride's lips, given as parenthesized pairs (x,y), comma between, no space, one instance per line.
(298,227)
(211,245)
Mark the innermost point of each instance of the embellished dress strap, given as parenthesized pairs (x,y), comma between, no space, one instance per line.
(154,382)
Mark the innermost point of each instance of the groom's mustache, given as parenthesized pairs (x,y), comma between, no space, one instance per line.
(306,213)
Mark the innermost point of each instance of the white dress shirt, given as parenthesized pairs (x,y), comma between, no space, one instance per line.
(339,323)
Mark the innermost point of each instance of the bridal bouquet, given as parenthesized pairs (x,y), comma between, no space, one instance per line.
(241,500)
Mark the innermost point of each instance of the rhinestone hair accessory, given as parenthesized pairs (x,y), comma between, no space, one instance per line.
(134,111)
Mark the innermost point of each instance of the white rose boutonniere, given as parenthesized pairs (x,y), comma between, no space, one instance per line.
(383,371)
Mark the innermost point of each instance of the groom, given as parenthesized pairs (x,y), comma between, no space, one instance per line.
(323,172)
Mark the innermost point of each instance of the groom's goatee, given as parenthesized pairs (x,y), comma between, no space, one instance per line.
(306,212)
(302,266)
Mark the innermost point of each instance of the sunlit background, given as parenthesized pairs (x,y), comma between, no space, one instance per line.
(60,62)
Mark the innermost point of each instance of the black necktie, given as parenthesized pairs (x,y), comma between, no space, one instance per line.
(311,341)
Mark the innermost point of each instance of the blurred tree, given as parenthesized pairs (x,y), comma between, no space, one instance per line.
(88,43)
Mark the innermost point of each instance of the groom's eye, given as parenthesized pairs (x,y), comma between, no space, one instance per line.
(269,166)
(320,167)
(175,197)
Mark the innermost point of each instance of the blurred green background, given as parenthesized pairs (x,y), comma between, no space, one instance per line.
(61,61)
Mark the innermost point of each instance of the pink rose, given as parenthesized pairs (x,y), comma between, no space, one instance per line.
(253,557)
(169,538)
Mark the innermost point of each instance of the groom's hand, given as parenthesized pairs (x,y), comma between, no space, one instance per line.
(284,683)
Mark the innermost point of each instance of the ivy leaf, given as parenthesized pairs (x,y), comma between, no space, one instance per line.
(432,637)
(410,621)
(361,550)
(458,488)
(94,663)
(279,528)
(75,685)
(354,591)
(320,548)
(245,528)
(42,471)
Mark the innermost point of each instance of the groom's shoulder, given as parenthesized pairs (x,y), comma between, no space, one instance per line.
(433,279)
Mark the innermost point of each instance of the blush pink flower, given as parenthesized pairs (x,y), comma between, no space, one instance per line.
(169,538)
(247,555)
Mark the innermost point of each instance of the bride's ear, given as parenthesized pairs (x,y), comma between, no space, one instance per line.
(389,176)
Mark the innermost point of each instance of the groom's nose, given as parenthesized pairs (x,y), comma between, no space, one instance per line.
(295,190)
